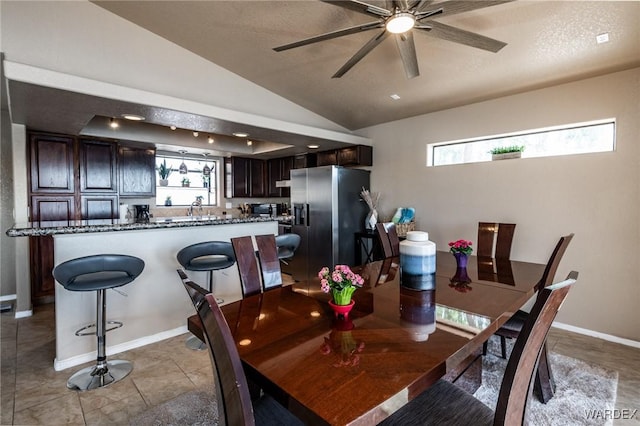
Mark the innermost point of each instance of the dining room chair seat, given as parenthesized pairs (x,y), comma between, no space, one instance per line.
(445,404)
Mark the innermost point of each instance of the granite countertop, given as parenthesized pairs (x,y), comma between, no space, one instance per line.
(38,229)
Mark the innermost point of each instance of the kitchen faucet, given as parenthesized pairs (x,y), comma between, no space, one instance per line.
(195,204)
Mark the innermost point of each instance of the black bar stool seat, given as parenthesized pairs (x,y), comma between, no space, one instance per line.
(287,244)
(99,273)
(206,256)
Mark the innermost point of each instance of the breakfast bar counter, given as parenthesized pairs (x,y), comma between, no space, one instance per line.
(154,306)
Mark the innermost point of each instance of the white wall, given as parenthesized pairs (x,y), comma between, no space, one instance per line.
(596,196)
(7,244)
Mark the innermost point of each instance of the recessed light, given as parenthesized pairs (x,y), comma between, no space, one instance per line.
(133,117)
(602,38)
(313,146)
(173,127)
(244,342)
(395,96)
(240,134)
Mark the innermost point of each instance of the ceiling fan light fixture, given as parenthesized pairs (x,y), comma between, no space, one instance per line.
(400,22)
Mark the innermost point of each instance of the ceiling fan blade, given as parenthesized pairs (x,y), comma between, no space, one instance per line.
(407,50)
(371,44)
(419,4)
(362,7)
(333,34)
(456,35)
(453,7)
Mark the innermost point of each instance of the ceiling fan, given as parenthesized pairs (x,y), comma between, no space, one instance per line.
(401,19)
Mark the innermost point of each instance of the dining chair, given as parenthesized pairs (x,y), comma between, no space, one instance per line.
(500,234)
(445,404)
(269,262)
(235,406)
(388,239)
(247,265)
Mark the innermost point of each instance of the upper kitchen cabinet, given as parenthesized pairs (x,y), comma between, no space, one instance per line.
(278,169)
(98,166)
(245,178)
(302,161)
(327,158)
(51,163)
(357,155)
(137,167)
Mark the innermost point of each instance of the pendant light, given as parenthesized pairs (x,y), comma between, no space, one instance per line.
(206,170)
(183,167)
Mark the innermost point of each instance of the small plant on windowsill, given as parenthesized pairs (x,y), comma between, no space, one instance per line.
(164,171)
(186,182)
(504,152)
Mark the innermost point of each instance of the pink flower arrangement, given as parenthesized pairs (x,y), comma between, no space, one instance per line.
(460,246)
(342,282)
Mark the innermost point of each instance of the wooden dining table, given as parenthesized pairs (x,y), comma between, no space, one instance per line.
(393,345)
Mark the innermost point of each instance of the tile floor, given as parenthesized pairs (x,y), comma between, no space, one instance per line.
(33,393)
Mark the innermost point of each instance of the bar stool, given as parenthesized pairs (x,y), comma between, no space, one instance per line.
(206,256)
(99,273)
(287,245)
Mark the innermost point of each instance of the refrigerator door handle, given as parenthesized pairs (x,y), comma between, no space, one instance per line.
(307,215)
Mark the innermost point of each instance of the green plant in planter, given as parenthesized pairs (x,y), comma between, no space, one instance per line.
(507,149)
(185,181)
(163,170)
(167,201)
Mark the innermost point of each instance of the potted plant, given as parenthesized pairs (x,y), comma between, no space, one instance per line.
(505,152)
(341,282)
(185,182)
(167,201)
(164,173)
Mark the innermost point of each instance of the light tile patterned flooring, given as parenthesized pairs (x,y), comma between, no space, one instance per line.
(33,393)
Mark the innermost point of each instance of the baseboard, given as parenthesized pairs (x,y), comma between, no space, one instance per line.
(603,336)
(24,314)
(116,349)
(8,297)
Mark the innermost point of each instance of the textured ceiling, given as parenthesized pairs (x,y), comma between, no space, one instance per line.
(548,42)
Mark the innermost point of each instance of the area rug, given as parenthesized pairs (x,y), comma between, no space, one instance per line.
(583,391)
(197,408)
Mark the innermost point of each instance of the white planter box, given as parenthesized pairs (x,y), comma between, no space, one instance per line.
(506,156)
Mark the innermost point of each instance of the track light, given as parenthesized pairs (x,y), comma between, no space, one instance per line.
(195,134)
(249,143)
(113,123)
(210,139)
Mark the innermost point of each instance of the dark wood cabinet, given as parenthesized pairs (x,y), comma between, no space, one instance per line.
(357,155)
(51,164)
(99,206)
(137,168)
(327,158)
(246,178)
(278,169)
(302,161)
(98,172)
(53,208)
(41,261)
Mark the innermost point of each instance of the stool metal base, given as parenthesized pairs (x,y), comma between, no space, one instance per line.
(196,344)
(100,375)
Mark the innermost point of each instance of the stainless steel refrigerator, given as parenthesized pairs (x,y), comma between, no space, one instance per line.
(327,211)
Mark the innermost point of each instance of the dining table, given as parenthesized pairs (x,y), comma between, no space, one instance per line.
(358,369)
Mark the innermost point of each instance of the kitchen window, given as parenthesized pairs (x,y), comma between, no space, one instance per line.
(580,138)
(183,189)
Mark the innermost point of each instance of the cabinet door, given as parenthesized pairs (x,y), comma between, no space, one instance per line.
(327,158)
(258,177)
(287,165)
(51,164)
(52,208)
(358,155)
(274,174)
(97,166)
(240,177)
(137,171)
(99,206)
(302,161)
(42,263)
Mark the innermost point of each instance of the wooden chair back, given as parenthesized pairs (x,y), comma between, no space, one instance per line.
(554,261)
(247,265)
(499,233)
(517,383)
(388,239)
(269,262)
(232,391)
